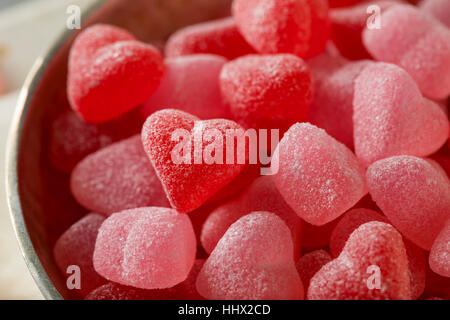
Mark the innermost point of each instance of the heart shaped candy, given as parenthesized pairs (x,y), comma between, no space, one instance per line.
(391,117)
(372,266)
(110,73)
(190,169)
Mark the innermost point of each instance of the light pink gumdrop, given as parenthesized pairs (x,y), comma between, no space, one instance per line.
(334,98)
(349,222)
(191,84)
(440,9)
(261,195)
(392,118)
(219,37)
(318,177)
(354,218)
(117,178)
(413,194)
(440,252)
(418,43)
(252,261)
(310,263)
(75,247)
(372,266)
(147,248)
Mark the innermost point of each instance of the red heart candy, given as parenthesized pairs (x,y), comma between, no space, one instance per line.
(189,184)
(111,73)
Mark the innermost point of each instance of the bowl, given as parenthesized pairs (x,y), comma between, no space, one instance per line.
(39,198)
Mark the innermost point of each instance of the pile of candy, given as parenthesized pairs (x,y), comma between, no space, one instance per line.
(355,202)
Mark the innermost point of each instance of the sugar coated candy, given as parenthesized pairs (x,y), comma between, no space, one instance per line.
(190,83)
(116,178)
(391,117)
(110,73)
(334,95)
(300,27)
(413,194)
(440,9)
(440,252)
(253,260)
(147,248)
(220,37)
(267,91)
(372,266)
(309,264)
(318,177)
(261,195)
(190,170)
(423,51)
(75,247)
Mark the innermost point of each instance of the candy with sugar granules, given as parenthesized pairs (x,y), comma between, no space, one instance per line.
(75,247)
(147,248)
(413,194)
(72,139)
(372,266)
(300,27)
(116,178)
(349,222)
(310,263)
(192,166)
(267,91)
(418,43)
(347,25)
(440,252)
(261,195)
(253,260)
(391,117)
(191,84)
(111,73)
(318,177)
(334,96)
(440,9)
(219,37)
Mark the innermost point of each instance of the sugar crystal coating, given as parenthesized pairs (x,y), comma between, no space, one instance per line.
(440,252)
(348,23)
(267,91)
(392,118)
(423,51)
(318,177)
(334,98)
(75,247)
(189,181)
(190,83)
(300,27)
(116,178)
(253,260)
(440,9)
(261,195)
(413,194)
(372,266)
(310,263)
(110,73)
(219,37)
(147,248)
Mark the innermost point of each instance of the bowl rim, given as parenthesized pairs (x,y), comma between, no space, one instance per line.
(32,261)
